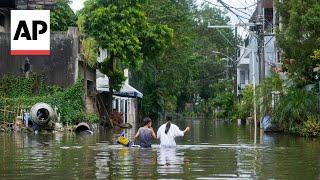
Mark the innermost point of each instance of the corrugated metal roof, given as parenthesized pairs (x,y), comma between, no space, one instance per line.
(125,91)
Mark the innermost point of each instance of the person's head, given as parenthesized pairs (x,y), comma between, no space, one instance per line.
(147,122)
(169,118)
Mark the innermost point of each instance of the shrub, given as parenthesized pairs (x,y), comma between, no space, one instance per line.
(294,108)
(244,108)
(264,93)
(311,127)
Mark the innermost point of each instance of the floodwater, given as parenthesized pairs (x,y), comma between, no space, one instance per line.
(212,150)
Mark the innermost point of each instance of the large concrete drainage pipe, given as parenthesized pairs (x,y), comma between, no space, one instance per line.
(83,129)
(42,113)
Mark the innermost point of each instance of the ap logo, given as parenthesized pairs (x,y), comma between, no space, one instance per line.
(30,32)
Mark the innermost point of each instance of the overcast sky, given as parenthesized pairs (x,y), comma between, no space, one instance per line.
(248,4)
(77,4)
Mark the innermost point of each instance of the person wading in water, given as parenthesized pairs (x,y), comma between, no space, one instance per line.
(145,133)
(168,131)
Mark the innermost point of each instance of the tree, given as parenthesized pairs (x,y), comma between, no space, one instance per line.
(62,16)
(188,68)
(161,78)
(123,29)
(299,38)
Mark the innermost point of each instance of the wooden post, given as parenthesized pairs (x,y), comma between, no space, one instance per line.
(100,101)
(17,113)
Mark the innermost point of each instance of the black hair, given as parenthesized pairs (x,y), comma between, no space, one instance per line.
(168,124)
(146,120)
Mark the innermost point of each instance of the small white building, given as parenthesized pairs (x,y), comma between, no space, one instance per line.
(126,100)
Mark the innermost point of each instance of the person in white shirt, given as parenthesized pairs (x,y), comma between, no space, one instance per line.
(168,131)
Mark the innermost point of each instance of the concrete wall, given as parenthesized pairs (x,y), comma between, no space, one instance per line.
(35,4)
(90,87)
(60,68)
(5,14)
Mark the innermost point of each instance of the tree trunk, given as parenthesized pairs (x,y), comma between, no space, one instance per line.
(85,85)
(110,94)
(109,101)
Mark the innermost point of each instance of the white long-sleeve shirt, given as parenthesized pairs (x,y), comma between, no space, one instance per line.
(167,140)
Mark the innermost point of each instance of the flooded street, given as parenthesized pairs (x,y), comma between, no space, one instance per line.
(211,150)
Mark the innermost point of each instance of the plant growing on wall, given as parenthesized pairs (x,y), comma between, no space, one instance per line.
(21,92)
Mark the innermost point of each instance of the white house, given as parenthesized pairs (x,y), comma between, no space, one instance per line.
(126,100)
(246,68)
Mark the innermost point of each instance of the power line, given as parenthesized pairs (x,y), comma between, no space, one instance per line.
(243,8)
(247,7)
(228,8)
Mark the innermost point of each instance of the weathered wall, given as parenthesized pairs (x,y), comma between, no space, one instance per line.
(35,4)
(5,24)
(60,68)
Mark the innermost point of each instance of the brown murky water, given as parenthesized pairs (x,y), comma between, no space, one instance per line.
(213,150)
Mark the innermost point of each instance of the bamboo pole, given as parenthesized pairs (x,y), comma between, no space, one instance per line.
(5,109)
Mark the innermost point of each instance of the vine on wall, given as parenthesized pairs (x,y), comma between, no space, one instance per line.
(22,93)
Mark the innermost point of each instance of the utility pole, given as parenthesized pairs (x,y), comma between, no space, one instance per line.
(260,29)
(235,64)
(254,98)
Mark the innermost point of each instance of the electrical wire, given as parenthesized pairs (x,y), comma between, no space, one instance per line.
(243,8)
(248,6)
(236,11)
(228,8)
(235,8)
(228,41)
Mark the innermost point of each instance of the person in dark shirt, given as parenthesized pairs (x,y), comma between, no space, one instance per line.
(145,133)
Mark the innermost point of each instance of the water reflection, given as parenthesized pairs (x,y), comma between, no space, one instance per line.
(211,150)
(145,161)
(169,160)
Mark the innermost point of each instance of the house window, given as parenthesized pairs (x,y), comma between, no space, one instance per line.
(268,23)
(2,20)
(242,77)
